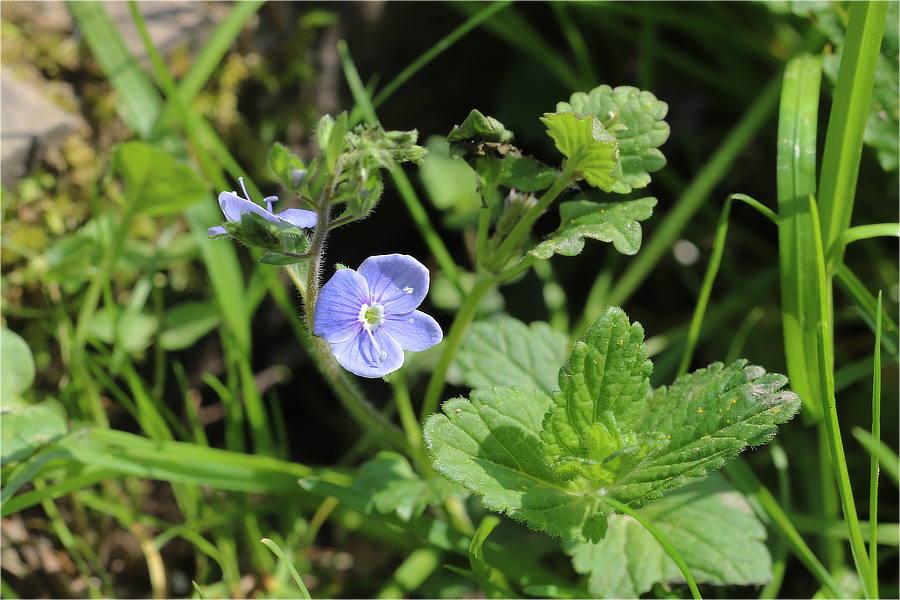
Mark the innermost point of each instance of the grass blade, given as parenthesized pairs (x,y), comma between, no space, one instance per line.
(140,103)
(451,38)
(208,59)
(715,261)
(839,462)
(873,471)
(803,306)
(767,507)
(277,551)
(865,303)
(669,548)
(847,122)
(404,187)
(512,28)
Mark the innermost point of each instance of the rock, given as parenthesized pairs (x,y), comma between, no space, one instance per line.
(29,123)
(170,24)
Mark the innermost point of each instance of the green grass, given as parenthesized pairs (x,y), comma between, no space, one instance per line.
(805,284)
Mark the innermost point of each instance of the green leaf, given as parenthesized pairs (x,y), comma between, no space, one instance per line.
(801,250)
(477,136)
(287,167)
(711,525)
(16,364)
(276,549)
(155,183)
(133,330)
(451,185)
(476,551)
(256,231)
(26,427)
(393,486)
(525,173)
(608,222)
(590,149)
(188,322)
(707,417)
(335,141)
(635,118)
(601,397)
(508,352)
(490,446)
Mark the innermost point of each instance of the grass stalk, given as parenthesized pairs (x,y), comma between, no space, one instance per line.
(839,463)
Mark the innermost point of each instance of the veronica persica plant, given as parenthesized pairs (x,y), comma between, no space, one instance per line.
(233,206)
(369,316)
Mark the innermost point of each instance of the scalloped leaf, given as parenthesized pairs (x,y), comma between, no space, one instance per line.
(608,222)
(546,461)
(602,393)
(590,149)
(508,352)
(636,120)
(711,525)
(707,417)
(490,446)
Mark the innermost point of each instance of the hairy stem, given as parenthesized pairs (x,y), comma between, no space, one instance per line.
(515,238)
(353,400)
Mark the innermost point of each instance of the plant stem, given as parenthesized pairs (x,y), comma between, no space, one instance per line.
(316,249)
(353,400)
(451,345)
(523,227)
(343,386)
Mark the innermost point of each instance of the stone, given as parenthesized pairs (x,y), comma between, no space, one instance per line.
(29,124)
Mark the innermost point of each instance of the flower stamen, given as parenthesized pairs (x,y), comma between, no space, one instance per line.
(372,316)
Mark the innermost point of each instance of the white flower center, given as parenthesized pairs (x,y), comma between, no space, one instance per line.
(371,316)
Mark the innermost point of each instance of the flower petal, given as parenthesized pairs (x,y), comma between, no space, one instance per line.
(336,317)
(397,281)
(215,231)
(233,206)
(303,219)
(367,358)
(414,331)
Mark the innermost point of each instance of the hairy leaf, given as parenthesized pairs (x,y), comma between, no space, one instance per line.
(635,118)
(710,524)
(490,446)
(477,136)
(608,222)
(590,149)
(602,393)
(508,352)
(707,417)
(393,486)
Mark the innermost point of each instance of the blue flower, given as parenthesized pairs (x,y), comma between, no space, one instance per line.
(233,206)
(369,316)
